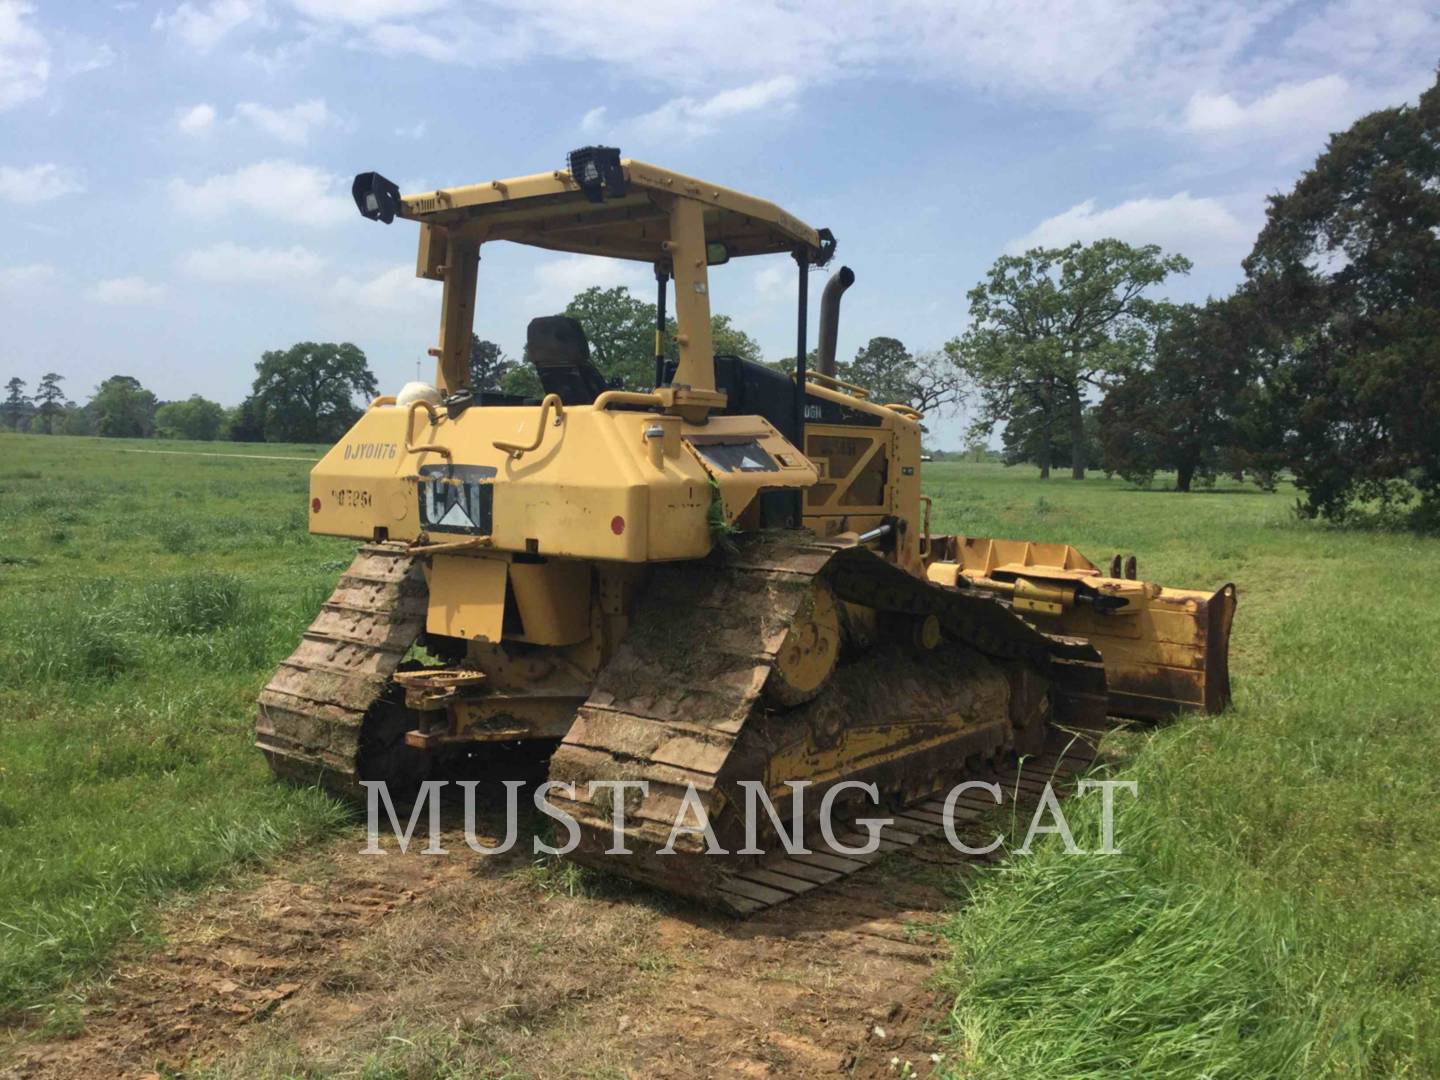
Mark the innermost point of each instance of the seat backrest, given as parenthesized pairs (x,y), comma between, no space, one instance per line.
(560,354)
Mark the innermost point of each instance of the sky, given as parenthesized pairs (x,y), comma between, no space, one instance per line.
(174,178)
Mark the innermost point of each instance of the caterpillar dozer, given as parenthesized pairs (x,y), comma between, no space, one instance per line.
(729,577)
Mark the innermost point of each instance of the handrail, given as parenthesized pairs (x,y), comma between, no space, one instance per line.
(927,502)
(383,399)
(905,410)
(425,448)
(837,384)
(627,397)
(551,401)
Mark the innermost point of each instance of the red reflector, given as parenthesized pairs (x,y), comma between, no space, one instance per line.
(617,524)
(314,506)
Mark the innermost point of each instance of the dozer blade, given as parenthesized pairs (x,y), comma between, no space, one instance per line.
(1165,650)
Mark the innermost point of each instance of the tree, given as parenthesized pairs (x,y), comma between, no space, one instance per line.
(77,421)
(1347,271)
(122,408)
(786,364)
(523,381)
(307,393)
(975,450)
(49,400)
(489,366)
(17,405)
(729,340)
(621,331)
(1183,411)
(1048,325)
(245,422)
(928,382)
(1030,433)
(194,418)
(882,366)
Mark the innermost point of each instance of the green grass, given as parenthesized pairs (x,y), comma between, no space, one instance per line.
(1276,911)
(144,599)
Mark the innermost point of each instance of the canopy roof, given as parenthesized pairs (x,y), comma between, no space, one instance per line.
(551,210)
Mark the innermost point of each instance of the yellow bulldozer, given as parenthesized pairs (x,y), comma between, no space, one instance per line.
(724,580)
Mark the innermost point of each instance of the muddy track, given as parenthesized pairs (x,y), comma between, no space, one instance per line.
(499,963)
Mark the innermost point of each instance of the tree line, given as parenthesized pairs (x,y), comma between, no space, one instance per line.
(313,391)
(306,393)
(1323,364)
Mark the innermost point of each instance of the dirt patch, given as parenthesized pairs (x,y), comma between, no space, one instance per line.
(342,965)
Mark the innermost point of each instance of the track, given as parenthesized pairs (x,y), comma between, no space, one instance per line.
(679,706)
(312,712)
(785,877)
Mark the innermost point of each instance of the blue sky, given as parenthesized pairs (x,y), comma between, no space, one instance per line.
(174,177)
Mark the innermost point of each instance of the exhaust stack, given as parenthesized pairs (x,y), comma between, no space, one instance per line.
(835,288)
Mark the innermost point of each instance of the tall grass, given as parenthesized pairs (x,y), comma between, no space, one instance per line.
(1276,911)
(143,601)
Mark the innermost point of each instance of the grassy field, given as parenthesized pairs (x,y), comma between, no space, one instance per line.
(1277,911)
(1277,908)
(143,599)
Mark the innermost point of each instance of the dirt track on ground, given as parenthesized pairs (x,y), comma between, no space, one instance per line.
(497,963)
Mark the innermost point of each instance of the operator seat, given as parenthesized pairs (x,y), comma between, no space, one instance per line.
(556,346)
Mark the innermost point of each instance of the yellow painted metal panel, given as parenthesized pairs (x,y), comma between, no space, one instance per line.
(553,598)
(467,597)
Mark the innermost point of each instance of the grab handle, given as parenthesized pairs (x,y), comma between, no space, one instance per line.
(516,450)
(424,448)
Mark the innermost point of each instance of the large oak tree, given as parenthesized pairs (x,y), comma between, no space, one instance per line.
(1187,409)
(310,392)
(1347,270)
(1051,324)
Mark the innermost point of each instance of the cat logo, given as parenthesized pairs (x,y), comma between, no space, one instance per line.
(457,499)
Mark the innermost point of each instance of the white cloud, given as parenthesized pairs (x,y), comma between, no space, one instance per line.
(37,183)
(403,40)
(284,190)
(1126,60)
(772,278)
(1365,35)
(196,120)
(290,125)
(365,12)
(24,55)
(414,131)
(1019,46)
(102,56)
(688,118)
(230,263)
(201,27)
(18,278)
(123,291)
(395,290)
(1203,229)
(1286,108)
(560,277)
(593,122)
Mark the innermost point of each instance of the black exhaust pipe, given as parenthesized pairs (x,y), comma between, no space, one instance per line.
(835,288)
